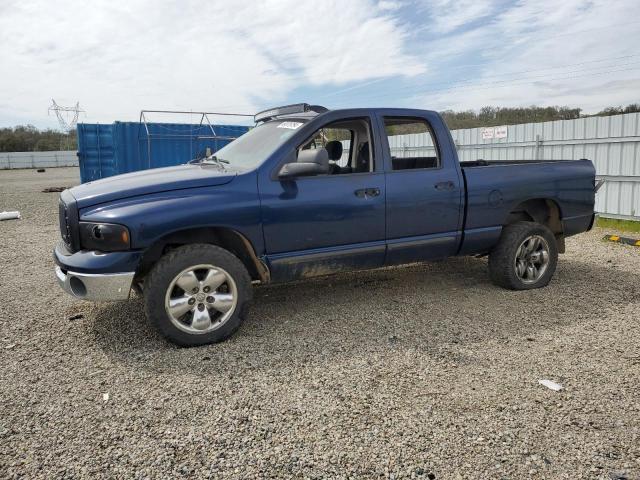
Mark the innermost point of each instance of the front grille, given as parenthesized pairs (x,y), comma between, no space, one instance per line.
(68,218)
(65,228)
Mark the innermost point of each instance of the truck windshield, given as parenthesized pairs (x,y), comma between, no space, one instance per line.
(252,148)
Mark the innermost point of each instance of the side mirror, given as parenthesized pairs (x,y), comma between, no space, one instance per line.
(310,162)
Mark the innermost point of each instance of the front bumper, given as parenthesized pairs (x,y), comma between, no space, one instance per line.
(94,275)
(95,287)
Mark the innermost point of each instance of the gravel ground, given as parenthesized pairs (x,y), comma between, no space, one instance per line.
(427,371)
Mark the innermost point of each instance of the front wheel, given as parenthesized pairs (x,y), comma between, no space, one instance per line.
(525,257)
(197,294)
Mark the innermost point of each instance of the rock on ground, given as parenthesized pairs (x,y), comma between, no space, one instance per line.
(428,371)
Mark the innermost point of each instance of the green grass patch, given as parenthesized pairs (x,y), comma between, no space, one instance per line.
(623,225)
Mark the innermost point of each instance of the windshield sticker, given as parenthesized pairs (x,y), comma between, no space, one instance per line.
(290,125)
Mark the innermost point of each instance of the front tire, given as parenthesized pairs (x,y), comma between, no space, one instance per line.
(525,258)
(197,294)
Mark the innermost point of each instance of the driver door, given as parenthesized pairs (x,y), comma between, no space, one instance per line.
(325,223)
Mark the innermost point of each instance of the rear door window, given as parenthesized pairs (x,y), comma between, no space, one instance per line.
(411,143)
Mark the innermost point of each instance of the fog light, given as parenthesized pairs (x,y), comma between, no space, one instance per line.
(77,287)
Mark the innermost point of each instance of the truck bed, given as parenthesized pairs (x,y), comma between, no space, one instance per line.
(494,189)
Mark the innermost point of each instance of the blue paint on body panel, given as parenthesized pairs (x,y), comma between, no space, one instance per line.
(316,225)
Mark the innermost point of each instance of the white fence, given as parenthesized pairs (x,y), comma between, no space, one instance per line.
(612,143)
(38,159)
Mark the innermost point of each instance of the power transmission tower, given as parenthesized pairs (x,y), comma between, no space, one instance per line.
(67,117)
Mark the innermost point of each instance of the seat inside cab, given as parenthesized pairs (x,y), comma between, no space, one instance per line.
(414,162)
(347,143)
(411,143)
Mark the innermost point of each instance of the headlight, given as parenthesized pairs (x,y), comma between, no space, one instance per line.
(105,237)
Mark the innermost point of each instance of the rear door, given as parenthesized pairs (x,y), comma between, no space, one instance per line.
(424,189)
(325,223)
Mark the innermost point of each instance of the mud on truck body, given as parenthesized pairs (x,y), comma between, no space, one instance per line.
(307,192)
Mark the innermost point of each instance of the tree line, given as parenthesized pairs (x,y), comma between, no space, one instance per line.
(494,116)
(27,138)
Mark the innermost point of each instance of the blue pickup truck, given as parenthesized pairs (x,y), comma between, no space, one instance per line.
(306,192)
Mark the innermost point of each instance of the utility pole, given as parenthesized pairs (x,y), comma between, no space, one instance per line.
(67,118)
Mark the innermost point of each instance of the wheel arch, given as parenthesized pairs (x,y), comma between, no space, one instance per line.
(545,211)
(224,237)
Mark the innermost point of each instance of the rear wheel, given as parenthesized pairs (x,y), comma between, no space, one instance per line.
(197,294)
(525,257)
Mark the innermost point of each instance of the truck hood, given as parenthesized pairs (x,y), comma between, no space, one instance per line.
(155,180)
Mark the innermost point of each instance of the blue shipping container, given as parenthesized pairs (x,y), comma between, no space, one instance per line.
(122,147)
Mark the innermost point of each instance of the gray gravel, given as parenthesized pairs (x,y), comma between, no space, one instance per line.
(427,371)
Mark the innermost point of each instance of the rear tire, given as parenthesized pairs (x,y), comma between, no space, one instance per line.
(197,294)
(525,257)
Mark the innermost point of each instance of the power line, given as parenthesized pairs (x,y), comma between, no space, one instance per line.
(467,84)
(487,86)
(493,60)
(468,65)
(492,85)
(355,87)
(562,66)
(587,29)
(469,80)
(613,25)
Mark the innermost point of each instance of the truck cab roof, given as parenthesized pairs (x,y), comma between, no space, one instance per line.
(308,112)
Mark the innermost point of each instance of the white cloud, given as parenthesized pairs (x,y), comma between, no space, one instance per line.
(116,57)
(448,15)
(389,5)
(542,53)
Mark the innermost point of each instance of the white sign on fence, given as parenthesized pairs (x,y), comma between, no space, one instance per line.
(611,143)
(488,133)
(500,132)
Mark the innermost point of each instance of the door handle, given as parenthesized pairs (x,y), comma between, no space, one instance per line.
(449,185)
(367,192)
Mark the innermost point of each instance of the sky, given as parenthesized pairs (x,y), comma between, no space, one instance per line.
(117,58)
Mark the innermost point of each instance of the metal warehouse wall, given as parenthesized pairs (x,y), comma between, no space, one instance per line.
(38,159)
(610,142)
